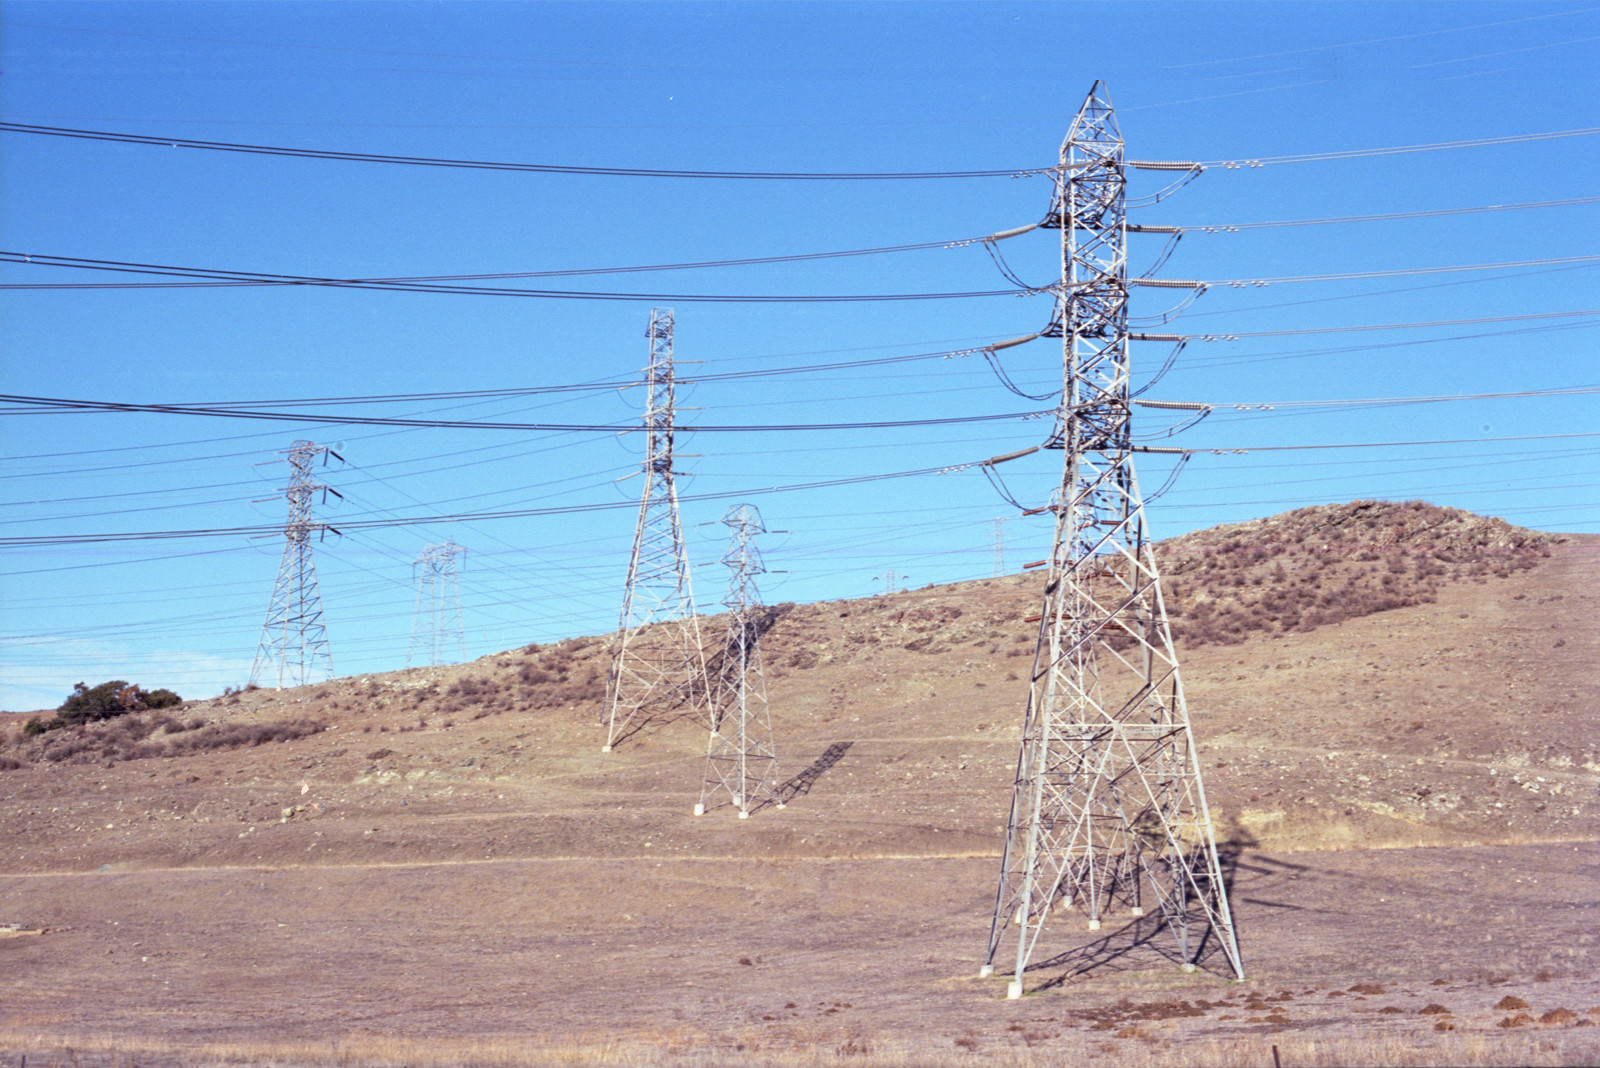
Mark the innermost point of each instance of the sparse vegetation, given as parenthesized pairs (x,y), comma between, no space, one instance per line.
(1318,566)
(137,736)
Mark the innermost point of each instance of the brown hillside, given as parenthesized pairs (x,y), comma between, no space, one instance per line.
(438,857)
(1304,569)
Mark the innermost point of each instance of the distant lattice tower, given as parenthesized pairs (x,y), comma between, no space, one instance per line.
(892,581)
(657,662)
(294,642)
(741,761)
(1108,814)
(436,616)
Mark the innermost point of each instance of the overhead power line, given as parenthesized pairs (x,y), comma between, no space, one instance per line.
(224,278)
(1228,228)
(249,278)
(1244,283)
(1369,326)
(492,165)
(1177,451)
(1254,406)
(1398,150)
(28,405)
(657,172)
(746,261)
(404,521)
(603,386)
(216,278)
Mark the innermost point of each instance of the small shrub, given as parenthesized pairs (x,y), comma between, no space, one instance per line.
(242,735)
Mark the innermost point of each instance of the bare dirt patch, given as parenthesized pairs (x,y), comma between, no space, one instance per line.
(452,872)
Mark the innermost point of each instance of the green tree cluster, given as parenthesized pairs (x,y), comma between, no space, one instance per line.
(105,701)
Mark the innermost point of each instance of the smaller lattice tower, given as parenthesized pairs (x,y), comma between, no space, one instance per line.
(999,547)
(436,618)
(293,649)
(657,664)
(741,761)
(890,579)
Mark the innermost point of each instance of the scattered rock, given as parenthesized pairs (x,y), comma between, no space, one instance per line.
(1521,1019)
(1558,1016)
(1510,1003)
(1433,1009)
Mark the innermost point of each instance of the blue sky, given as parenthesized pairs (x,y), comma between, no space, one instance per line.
(759,87)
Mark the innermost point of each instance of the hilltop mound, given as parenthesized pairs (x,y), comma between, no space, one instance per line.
(1313,566)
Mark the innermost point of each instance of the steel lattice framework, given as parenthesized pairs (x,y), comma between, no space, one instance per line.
(741,760)
(1107,811)
(657,662)
(294,642)
(436,616)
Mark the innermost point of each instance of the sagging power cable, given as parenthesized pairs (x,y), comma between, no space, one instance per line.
(30,405)
(1229,228)
(222,278)
(491,165)
(747,261)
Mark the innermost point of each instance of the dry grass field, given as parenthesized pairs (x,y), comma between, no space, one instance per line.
(1398,713)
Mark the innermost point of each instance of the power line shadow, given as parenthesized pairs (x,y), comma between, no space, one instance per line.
(805,780)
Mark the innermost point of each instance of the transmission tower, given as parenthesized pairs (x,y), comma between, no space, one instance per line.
(890,577)
(293,637)
(436,617)
(657,663)
(1107,810)
(742,762)
(999,547)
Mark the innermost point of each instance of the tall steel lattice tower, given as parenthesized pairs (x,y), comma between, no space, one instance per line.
(741,761)
(1107,810)
(294,643)
(436,617)
(657,663)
